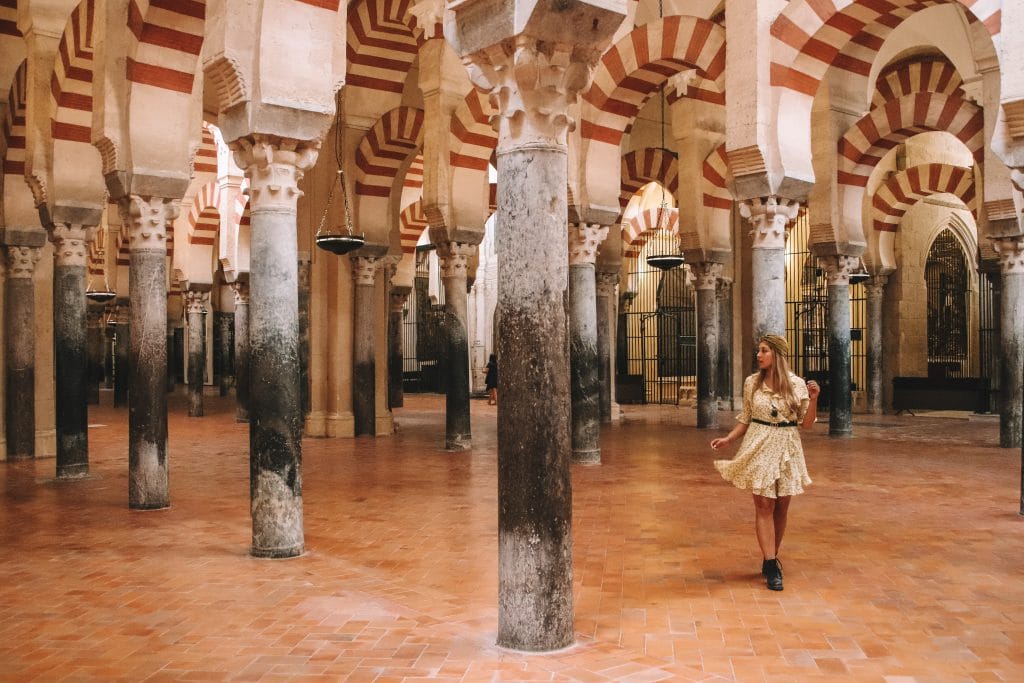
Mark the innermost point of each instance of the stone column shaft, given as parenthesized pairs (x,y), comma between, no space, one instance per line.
(224,342)
(241,350)
(840,411)
(454,257)
(274,167)
(768,219)
(148,480)
(364,377)
(122,363)
(20,356)
(195,308)
(585,387)
(606,285)
(1011,340)
(94,350)
(723,386)
(707,343)
(71,361)
(875,290)
(396,354)
(305,273)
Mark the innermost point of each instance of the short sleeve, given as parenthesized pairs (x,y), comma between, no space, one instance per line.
(802,397)
(748,397)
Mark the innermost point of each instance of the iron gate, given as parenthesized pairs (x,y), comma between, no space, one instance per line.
(948,284)
(423,340)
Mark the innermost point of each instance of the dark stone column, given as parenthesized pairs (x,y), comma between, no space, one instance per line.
(195,307)
(454,258)
(122,344)
(875,290)
(706,274)
(723,293)
(109,344)
(148,480)
(768,219)
(94,338)
(585,387)
(364,378)
(840,410)
(396,354)
(304,344)
(20,357)
(71,361)
(170,356)
(224,341)
(274,168)
(606,283)
(241,350)
(1011,339)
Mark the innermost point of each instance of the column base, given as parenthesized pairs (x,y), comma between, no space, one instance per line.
(144,507)
(841,433)
(316,425)
(242,415)
(458,442)
(341,424)
(277,553)
(588,457)
(80,471)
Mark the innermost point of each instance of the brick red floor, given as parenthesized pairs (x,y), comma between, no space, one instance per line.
(904,561)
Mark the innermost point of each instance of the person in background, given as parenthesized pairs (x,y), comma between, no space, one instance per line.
(491,382)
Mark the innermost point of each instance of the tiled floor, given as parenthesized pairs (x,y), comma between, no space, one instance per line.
(904,561)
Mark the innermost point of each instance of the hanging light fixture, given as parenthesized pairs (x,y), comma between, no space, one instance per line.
(339,241)
(105,294)
(667,261)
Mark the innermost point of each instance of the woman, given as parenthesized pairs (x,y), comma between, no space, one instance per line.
(491,382)
(770,461)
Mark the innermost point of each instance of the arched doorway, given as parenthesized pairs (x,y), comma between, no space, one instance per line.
(948,284)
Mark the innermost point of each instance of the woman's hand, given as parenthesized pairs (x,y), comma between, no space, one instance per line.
(719,442)
(813,390)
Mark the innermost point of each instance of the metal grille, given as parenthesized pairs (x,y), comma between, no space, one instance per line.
(988,337)
(807,315)
(423,344)
(661,326)
(947,280)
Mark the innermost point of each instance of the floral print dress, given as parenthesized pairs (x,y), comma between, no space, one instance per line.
(770,460)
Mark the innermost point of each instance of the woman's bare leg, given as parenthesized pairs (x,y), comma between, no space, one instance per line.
(779,517)
(764,525)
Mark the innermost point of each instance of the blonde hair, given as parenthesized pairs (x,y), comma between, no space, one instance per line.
(779,379)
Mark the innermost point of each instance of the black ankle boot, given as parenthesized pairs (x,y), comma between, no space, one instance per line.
(772,574)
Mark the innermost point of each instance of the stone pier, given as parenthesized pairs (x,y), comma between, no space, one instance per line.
(607,284)
(20,355)
(396,353)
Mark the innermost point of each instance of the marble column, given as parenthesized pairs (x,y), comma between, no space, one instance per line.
(1011,339)
(840,410)
(396,354)
(305,273)
(723,386)
(995,388)
(364,383)
(20,356)
(224,341)
(607,283)
(585,387)
(122,363)
(274,167)
(875,291)
(707,274)
(71,360)
(94,336)
(195,309)
(454,259)
(768,219)
(109,325)
(148,479)
(241,350)
(170,356)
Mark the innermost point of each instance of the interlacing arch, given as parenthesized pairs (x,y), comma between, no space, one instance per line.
(412,222)
(71,83)
(812,35)
(933,73)
(904,189)
(643,166)
(381,44)
(166,37)
(638,64)
(638,228)
(14,124)
(384,148)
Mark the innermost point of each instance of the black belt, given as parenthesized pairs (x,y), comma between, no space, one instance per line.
(774,424)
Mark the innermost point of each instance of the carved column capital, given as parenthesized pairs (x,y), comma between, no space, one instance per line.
(838,268)
(398,296)
(21,261)
(768,220)
(723,287)
(364,269)
(584,240)
(454,258)
(71,243)
(1011,253)
(241,290)
(148,219)
(531,84)
(274,167)
(875,287)
(606,281)
(706,274)
(195,301)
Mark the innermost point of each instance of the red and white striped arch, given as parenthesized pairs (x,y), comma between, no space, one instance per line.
(639,63)
(385,148)
(204,215)
(717,179)
(381,44)
(14,125)
(474,139)
(881,129)
(904,189)
(206,155)
(934,74)
(809,36)
(637,229)
(651,164)
(71,82)
(412,222)
(166,37)
(414,174)
(9,18)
